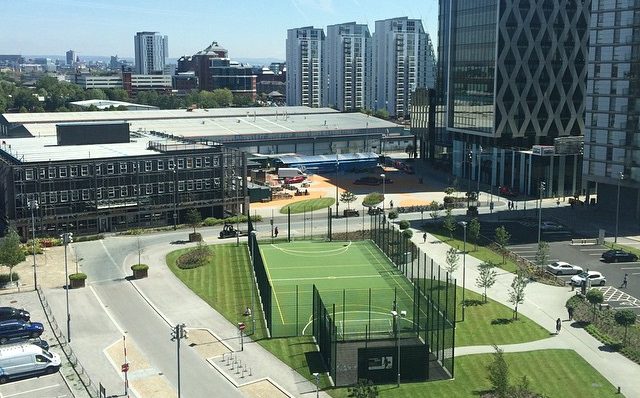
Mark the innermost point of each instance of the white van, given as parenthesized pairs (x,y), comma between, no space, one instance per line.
(289,172)
(17,360)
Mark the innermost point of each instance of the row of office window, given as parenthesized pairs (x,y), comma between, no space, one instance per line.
(124,191)
(51,172)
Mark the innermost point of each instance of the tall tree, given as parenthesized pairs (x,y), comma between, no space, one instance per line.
(516,292)
(487,277)
(434,208)
(542,254)
(502,239)
(625,318)
(452,260)
(498,373)
(347,197)
(595,297)
(474,232)
(193,218)
(449,223)
(11,254)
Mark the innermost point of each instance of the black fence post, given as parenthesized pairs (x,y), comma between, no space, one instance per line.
(289,224)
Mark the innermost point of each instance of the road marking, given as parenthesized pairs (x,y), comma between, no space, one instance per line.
(32,391)
(595,254)
(630,268)
(106,310)
(591,250)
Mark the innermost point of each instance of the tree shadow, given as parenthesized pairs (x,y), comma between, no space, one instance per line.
(473,303)
(502,321)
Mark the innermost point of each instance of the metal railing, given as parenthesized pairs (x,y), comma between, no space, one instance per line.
(79,370)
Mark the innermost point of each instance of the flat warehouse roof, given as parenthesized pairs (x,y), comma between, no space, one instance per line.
(242,127)
(45,149)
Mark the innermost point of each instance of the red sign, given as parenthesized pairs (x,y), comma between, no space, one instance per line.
(125,367)
(241,326)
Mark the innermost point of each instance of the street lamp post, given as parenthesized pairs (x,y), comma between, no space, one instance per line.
(542,187)
(238,183)
(178,333)
(67,238)
(464,263)
(396,329)
(469,179)
(384,178)
(479,169)
(33,205)
(615,239)
(175,197)
(253,282)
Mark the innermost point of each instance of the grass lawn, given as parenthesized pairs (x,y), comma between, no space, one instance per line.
(554,373)
(225,283)
(483,253)
(491,323)
(308,205)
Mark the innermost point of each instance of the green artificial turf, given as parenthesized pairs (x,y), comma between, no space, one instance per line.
(554,373)
(308,205)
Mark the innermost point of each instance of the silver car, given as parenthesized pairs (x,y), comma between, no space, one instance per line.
(595,279)
(563,268)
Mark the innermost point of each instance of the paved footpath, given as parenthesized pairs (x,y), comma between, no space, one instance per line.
(161,289)
(543,304)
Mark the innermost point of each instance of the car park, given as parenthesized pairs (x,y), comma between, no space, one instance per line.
(16,329)
(595,279)
(10,313)
(616,255)
(20,360)
(372,180)
(563,268)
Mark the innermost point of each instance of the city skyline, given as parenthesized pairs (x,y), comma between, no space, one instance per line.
(98,28)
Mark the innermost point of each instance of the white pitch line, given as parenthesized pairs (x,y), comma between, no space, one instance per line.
(327,277)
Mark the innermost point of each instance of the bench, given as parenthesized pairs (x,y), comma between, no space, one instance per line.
(586,241)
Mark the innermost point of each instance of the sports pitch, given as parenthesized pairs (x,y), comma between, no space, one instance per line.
(355,276)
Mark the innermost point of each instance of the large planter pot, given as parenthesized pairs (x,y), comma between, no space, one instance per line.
(195,237)
(77,280)
(140,271)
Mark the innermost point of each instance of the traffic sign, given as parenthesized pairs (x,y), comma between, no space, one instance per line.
(125,367)
(241,326)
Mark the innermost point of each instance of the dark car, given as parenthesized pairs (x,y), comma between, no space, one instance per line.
(614,256)
(9,313)
(506,191)
(368,181)
(19,329)
(373,211)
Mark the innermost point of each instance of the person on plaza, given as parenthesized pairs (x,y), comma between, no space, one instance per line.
(570,311)
(275,232)
(558,325)
(424,237)
(624,281)
(247,312)
(391,203)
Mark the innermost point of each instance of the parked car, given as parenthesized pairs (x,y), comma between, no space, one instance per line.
(506,191)
(294,180)
(19,360)
(19,329)
(9,313)
(595,278)
(616,255)
(373,211)
(563,268)
(550,226)
(350,213)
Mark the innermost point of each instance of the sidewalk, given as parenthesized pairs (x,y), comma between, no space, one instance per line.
(543,304)
(269,376)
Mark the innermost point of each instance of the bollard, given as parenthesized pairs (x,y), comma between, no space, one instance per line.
(249,371)
(223,355)
(242,376)
(619,390)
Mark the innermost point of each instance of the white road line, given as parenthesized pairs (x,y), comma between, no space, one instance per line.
(524,251)
(595,254)
(32,391)
(630,268)
(591,250)
(104,308)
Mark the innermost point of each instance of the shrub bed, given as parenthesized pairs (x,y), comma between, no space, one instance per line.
(194,258)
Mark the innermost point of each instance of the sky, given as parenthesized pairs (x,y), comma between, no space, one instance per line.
(247,28)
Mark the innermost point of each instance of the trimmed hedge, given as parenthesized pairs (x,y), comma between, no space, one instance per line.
(139,267)
(212,221)
(78,277)
(4,278)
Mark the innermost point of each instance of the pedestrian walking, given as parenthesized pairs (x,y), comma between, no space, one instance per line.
(391,203)
(275,232)
(570,311)
(424,237)
(558,325)
(516,206)
(624,281)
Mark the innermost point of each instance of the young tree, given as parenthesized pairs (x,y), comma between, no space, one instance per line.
(347,197)
(449,223)
(452,260)
(11,254)
(499,373)
(474,232)
(516,293)
(139,249)
(595,297)
(625,318)
(364,389)
(542,255)
(434,208)
(487,277)
(393,214)
(502,239)
(193,219)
